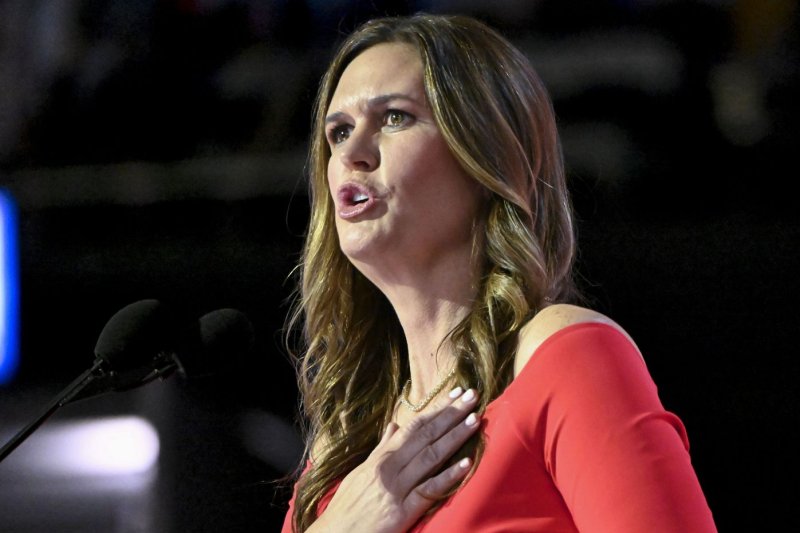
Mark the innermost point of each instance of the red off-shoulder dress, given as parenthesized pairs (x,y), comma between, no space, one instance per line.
(579,441)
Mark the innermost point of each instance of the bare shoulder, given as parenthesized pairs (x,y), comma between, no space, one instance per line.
(317,447)
(550,320)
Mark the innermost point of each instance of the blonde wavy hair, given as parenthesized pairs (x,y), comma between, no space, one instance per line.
(497,119)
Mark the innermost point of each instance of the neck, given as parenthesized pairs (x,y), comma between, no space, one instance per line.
(429,303)
(426,324)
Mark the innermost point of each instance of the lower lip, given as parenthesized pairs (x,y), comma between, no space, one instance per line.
(353,211)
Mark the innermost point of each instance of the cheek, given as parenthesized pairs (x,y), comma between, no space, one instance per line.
(427,164)
(330,174)
(451,180)
(333,179)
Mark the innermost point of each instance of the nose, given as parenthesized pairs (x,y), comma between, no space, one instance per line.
(360,152)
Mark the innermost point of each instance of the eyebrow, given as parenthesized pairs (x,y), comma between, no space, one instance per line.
(376,101)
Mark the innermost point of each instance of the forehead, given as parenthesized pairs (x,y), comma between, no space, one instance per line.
(387,68)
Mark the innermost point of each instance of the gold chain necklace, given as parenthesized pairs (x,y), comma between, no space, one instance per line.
(430,396)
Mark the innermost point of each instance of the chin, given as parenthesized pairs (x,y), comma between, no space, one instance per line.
(358,244)
(365,257)
(357,254)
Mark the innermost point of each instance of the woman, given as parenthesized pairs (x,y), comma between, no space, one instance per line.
(448,383)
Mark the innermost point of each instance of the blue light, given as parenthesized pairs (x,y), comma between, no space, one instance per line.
(9,290)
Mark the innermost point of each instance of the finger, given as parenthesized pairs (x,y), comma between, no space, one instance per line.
(391,429)
(426,429)
(432,456)
(423,496)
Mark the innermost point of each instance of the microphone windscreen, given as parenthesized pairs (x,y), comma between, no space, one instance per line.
(134,335)
(217,341)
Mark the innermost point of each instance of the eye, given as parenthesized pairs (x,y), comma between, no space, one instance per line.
(394,118)
(339,134)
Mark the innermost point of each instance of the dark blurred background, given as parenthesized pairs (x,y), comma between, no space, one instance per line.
(155,149)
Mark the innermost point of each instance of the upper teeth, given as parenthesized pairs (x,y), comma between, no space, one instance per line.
(359,197)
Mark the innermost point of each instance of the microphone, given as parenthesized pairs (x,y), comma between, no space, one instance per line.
(138,344)
(216,342)
(130,348)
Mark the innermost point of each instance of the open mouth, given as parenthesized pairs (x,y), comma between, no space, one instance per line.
(354,199)
(359,198)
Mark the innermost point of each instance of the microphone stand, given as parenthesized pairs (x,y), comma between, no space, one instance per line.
(98,380)
(62,399)
(121,361)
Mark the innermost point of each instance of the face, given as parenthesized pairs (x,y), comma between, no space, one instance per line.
(402,200)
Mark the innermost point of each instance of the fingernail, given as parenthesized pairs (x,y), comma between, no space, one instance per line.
(464,463)
(468,396)
(455,393)
(471,419)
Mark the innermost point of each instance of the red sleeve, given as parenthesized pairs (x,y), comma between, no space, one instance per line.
(323,503)
(620,460)
(287,520)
